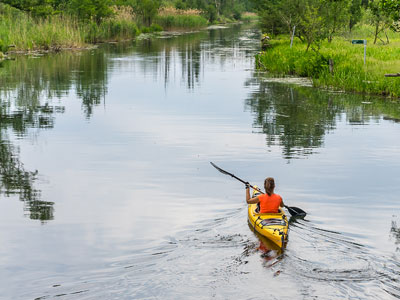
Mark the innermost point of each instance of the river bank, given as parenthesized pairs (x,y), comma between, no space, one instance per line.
(338,65)
(22,33)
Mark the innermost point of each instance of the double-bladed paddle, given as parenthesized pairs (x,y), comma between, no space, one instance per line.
(294,211)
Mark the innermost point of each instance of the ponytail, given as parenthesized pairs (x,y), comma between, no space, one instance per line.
(269,185)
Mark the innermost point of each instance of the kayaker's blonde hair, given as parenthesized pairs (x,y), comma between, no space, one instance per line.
(269,185)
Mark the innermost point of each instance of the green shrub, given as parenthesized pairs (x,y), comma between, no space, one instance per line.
(156,28)
(151,29)
(3,47)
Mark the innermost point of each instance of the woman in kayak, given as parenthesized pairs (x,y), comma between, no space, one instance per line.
(269,202)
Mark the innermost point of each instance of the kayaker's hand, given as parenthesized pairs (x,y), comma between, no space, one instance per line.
(247,185)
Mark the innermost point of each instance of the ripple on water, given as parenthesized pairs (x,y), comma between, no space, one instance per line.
(337,260)
(220,258)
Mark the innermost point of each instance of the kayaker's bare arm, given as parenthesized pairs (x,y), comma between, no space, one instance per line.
(282,204)
(251,200)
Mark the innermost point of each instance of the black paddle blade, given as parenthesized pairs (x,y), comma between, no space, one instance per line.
(295,211)
(219,169)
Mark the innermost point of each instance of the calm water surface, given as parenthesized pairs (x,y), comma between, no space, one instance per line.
(107,191)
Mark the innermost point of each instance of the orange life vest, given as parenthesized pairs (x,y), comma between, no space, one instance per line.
(269,204)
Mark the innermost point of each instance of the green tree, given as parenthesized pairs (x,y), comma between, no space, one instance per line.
(211,13)
(336,14)
(93,10)
(383,14)
(355,13)
(37,8)
(146,9)
(278,17)
(315,20)
(312,23)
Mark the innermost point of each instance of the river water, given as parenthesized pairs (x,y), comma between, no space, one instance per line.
(107,191)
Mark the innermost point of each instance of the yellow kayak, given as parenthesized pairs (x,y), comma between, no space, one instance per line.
(270,225)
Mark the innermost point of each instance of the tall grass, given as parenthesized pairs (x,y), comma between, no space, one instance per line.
(120,27)
(110,30)
(22,32)
(172,18)
(349,72)
(248,17)
(181,21)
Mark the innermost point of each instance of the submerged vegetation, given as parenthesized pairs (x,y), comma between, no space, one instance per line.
(322,48)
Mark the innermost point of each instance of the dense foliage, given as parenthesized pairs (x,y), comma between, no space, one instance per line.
(316,20)
(146,10)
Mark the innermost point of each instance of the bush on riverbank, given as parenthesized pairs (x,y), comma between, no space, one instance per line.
(349,72)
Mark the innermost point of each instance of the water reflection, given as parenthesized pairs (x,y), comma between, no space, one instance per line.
(395,230)
(172,54)
(33,89)
(15,179)
(30,86)
(269,251)
(183,57)
(30,83)
(298,118)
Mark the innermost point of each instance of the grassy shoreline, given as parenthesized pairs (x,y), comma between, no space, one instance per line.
(348,72)
(21,33)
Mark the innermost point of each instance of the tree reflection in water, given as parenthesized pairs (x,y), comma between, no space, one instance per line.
(395,230)
(29,87)
(298,118)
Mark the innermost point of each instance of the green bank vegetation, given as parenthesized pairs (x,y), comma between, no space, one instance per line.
(173,18)
(21,31)
(57,24)
(322,47)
